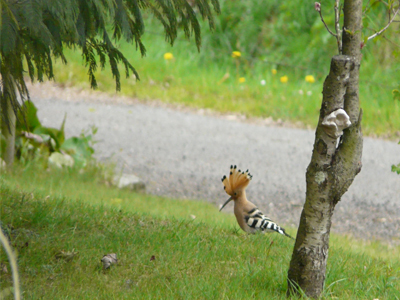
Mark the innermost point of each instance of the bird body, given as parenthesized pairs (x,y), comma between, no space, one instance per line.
(248,216)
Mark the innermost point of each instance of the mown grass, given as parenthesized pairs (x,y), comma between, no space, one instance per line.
(163,253)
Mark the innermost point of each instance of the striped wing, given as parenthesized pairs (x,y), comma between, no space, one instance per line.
(257,220)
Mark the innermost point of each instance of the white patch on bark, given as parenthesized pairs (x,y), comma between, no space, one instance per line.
(320,177)
(335,122)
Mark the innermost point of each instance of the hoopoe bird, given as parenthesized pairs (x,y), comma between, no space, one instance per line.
(249,217)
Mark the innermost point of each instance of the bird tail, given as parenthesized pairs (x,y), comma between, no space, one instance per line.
(258,221)
(237,180)
(272,226)
(289,236)
(280,230)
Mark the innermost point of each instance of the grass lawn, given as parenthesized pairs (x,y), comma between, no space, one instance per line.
(163,252)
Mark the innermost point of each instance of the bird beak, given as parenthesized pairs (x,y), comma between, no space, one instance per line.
(225,203)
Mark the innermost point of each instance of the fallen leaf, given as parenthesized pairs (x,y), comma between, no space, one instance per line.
(66,255)
(108,260)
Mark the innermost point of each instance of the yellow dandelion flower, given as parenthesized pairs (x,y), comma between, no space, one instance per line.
(310,79)
(242,79)
(284,79)
(168,56)
(274,71)
(116,200)
(236,54)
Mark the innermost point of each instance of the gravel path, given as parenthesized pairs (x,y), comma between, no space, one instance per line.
(183,153)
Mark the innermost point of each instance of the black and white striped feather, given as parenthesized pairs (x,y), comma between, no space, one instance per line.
(256,220)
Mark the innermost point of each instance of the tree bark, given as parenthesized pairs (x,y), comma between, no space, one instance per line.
(8,131)
(334,164)
(352,25)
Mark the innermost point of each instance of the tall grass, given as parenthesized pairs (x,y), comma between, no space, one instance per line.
(163,252)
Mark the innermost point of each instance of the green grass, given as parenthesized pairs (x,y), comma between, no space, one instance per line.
(184,81)
(204,258)
(269,37)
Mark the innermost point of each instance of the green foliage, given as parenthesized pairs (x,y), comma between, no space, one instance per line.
(80,148)
(396,168)
(396,95)
(291,39)
(207,257)
(281,33)
(266,31)
(34,141)
(36,32)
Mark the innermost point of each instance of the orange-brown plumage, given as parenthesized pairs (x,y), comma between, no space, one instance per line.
(237,181)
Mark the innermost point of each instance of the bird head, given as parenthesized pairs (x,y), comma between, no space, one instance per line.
(235,184)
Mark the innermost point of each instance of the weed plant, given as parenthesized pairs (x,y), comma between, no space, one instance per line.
(163,253)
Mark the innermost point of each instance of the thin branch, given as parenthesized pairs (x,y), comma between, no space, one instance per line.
(317,7)
(386,27)
(393,43)
(326,26)
(13,263)
(337,26)
(367,7)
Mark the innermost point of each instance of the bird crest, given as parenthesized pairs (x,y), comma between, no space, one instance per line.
(237,180)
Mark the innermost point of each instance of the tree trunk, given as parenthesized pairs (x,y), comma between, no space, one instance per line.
(352,25)
(8,131)
(334,164)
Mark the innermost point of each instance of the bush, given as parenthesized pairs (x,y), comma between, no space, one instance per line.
(34,142)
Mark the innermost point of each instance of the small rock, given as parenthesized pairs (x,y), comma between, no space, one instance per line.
(231,117)
(380,220)
(129,181)
(59,160)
